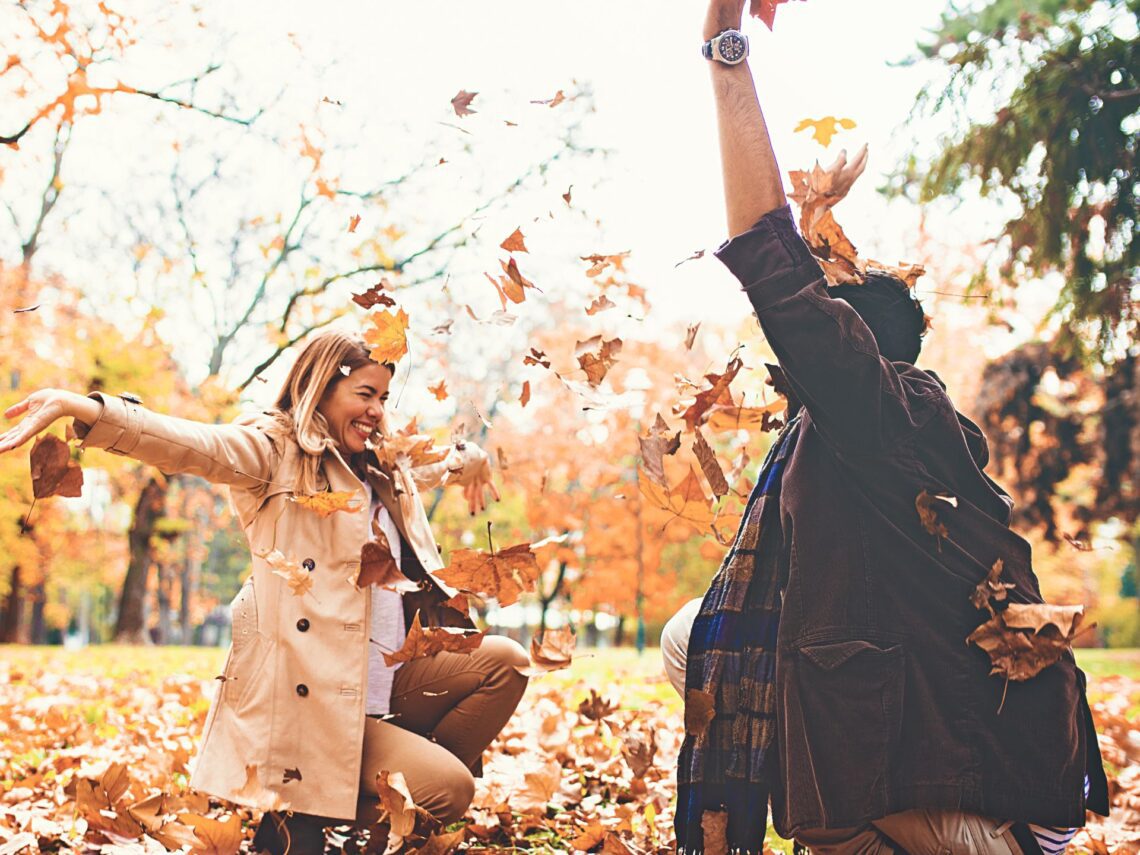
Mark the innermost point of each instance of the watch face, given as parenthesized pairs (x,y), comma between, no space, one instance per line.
(731,47)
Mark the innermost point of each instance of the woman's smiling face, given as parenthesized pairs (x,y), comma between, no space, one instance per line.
(354,405)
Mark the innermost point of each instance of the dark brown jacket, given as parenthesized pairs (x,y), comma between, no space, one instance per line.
(882,706)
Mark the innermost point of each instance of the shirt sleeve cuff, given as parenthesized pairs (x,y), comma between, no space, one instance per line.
(770,260)
(118,427)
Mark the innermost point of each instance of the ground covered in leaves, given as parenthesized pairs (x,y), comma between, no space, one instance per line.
(94,747)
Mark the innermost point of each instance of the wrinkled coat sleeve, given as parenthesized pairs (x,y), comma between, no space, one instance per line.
(828,353)
(462,464)
(241,456)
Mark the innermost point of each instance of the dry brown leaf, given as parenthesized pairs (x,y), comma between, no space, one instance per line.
(502,575)
(254,794)
(596,357)
(638,749)
(214,837)
(706,399)
(1025,639)
(600,304)
(691,335)
(655,446)
(928,516)
(990,589)
(54,473)
(441,844)
(421,642)
(399,808)
(378,567)
(709,464)
(299,579)
(374,296)
(599,263)
(353,223)
(327,504)
(699,711)
(595,707)
(724,418)
(524,396)
(461,103)
(439,390)
(409,451)
(536,357)
(514,242)
(387,335)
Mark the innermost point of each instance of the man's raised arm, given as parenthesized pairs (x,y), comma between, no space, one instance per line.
(752,184)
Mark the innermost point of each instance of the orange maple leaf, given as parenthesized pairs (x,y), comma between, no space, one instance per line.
(421,642)
(439,390)
(299,579)
(502,575)
(823,130)
(514,242)
(550,650)
(327,504)
(524,398)
(353,223)
(720,383)
(387,336)
(461,103)
(597,357)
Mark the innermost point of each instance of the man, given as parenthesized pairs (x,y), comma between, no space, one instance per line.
(831,643)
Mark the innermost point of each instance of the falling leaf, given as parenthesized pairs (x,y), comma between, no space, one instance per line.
(421,642)
(1079,545)
(824,129)
(514,242)
(599,263)
(353,223)
(442,329)
(26,309)
(597,357)
(536,357)
(398,806)
(725,418)
(387,336)
(719,384)
(991,590)
(461,103)
(714,823)
(502,575)
(595,707)
(765,10)
(439,390)
(655,446)
(409,450)
(924,504)
(686,501)
(291,775)
(378,566)
(600,304)
(566,195)
(255,795)
(511,268)
(558,98)
(1025,639)
(550,650)
(299,579)
(524,398)
(326,504)
(374,296)
(700,253)
(709,465)
(691,335)
(54,473)
(699,711)
(638,750)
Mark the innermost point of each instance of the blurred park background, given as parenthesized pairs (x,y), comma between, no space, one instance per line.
(189,189)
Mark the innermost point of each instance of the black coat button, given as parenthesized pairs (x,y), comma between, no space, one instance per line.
(303,625)
(309,564)
(302,689)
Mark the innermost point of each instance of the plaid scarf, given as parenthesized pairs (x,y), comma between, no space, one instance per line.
(732,656)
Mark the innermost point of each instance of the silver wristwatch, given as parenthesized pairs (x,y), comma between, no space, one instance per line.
(729,47)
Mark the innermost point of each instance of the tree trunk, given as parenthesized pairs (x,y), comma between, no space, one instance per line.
(130,628)
(37,628)
(13,609)
(619,633)
(554,592)
(165,602)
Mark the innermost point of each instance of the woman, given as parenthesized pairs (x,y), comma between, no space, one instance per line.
(307,714)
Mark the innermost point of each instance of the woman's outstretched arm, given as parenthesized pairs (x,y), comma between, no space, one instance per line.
(239,455)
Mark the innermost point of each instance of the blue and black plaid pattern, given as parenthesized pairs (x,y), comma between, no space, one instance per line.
(732,656)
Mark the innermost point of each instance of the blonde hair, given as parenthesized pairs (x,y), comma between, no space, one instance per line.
(318,368)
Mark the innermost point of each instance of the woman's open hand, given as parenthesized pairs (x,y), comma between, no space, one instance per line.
(476,489)
(40,410)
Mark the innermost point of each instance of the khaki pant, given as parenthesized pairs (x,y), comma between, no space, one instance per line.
(446,709)
(919,832)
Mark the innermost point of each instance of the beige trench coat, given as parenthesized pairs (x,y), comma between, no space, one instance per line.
(291,706)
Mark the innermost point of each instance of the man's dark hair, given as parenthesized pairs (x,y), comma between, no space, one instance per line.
(895,317)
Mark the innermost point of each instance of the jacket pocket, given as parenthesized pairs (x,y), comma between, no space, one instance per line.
(850,697)
(249,648)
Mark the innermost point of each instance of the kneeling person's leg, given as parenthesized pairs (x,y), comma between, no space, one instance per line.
(437,779)
(675,643)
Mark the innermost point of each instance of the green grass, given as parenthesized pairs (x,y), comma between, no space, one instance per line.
(1109,663)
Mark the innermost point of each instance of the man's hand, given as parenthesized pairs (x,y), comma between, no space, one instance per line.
(723,15)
